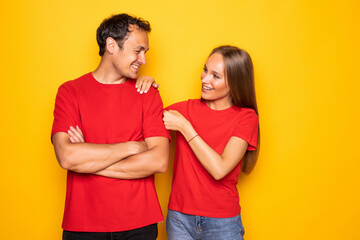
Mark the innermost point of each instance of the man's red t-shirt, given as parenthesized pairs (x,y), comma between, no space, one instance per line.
(109,113)
(194,191)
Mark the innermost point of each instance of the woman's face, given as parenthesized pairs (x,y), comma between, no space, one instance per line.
(215,89)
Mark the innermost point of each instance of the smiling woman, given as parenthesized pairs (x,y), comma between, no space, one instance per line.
(214,87)
(217,137)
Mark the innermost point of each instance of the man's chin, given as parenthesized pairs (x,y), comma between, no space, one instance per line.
(132,76)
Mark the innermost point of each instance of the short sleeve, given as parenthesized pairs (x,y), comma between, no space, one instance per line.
(65,112)
(153,125)
(179,106)
(247,129)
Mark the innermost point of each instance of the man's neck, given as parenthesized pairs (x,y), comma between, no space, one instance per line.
(106,74)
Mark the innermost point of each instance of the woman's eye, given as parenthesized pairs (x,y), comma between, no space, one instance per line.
(205,70)
(216,76)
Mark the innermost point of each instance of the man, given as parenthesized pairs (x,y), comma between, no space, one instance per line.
(110,185)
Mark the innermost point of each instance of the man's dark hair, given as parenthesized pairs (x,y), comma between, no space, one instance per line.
(117,27)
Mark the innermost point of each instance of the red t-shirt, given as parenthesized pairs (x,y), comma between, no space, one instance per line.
(194,191)
(109,113)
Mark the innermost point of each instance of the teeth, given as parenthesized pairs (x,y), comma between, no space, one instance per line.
(134,66)
(206,88)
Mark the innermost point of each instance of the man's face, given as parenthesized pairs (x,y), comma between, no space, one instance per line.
(128,59)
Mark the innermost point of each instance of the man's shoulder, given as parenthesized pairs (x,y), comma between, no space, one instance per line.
(130,85)
(72,85)
(151,93)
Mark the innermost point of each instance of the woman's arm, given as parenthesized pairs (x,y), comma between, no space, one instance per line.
(217,165)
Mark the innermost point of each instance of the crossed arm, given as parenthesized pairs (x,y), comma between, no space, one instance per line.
(88,157)
(128,160)
(154,160)
(217,165)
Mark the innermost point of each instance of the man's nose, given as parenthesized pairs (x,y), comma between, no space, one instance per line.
(142,59)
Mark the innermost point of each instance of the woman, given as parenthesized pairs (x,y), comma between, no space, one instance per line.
(217,137)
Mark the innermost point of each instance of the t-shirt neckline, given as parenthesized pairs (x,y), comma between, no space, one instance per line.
(112,85)
(231,108)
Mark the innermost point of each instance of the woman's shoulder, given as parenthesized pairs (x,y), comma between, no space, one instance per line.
(183,104)
(246,113)
(249,111)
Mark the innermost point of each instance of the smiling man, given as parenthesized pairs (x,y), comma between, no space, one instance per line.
(112,140)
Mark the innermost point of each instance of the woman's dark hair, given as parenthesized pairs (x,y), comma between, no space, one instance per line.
(117,27)
(239,74)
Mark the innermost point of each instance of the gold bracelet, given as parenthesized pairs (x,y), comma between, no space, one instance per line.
(193,137)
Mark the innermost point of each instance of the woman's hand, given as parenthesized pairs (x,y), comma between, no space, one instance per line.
(143,84)
(173,120)
(76,135)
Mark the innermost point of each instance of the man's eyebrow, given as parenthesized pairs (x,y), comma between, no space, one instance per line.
(142,48)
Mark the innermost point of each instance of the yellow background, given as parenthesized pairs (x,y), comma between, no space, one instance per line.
(306,58)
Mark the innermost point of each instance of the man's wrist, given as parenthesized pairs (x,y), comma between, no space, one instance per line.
(137,147)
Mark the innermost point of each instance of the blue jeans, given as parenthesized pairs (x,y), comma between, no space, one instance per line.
(180,226)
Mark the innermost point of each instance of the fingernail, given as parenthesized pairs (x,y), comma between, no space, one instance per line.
(141,92)
(145,91)
(138,90)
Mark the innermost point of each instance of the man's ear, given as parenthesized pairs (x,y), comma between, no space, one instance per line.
(111,45)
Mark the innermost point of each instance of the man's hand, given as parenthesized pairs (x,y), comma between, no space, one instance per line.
(143,84)
(76,135)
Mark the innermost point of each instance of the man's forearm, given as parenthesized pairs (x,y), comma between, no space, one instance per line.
(147,163)
(90,158)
